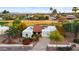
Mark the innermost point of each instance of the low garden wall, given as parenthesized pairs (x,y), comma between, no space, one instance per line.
(15,47)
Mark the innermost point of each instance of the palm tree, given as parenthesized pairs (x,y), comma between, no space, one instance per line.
(75,9)
(51,9)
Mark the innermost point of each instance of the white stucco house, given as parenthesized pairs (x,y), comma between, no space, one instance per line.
(28,32)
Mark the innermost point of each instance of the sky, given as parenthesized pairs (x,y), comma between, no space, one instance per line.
(35,9)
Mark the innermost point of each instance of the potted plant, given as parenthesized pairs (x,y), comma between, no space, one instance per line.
(27,41)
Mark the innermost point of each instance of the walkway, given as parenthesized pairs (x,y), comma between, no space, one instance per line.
(41,45)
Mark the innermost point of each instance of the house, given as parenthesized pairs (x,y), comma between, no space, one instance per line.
(70,17)
(1,18)
(37,29)
(44,31)
(28,32)
(53,18)
(3,29)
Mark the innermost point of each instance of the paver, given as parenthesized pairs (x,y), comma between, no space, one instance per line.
(41,45)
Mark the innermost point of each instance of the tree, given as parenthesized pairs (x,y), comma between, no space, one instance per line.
(60,29)
(72,27)
(14,31)
(5,12)
(3,23)
(8,17)
(54,11)
(51,9)
(76,28)
(16,22)
(75,9)
(56,36)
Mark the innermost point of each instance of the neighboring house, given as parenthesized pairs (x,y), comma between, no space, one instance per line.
(1,18)
(28,17)
(3,29)
(70,17)
(53,18)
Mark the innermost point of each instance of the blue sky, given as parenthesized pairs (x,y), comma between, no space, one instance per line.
(35,9)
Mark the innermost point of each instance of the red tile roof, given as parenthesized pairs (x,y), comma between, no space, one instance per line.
(37,28)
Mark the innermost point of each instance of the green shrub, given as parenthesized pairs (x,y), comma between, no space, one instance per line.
(55,35)
(3,23)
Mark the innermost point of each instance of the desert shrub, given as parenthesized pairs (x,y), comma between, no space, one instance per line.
(46,17)
(64,48)
(56,36)
(76,41)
